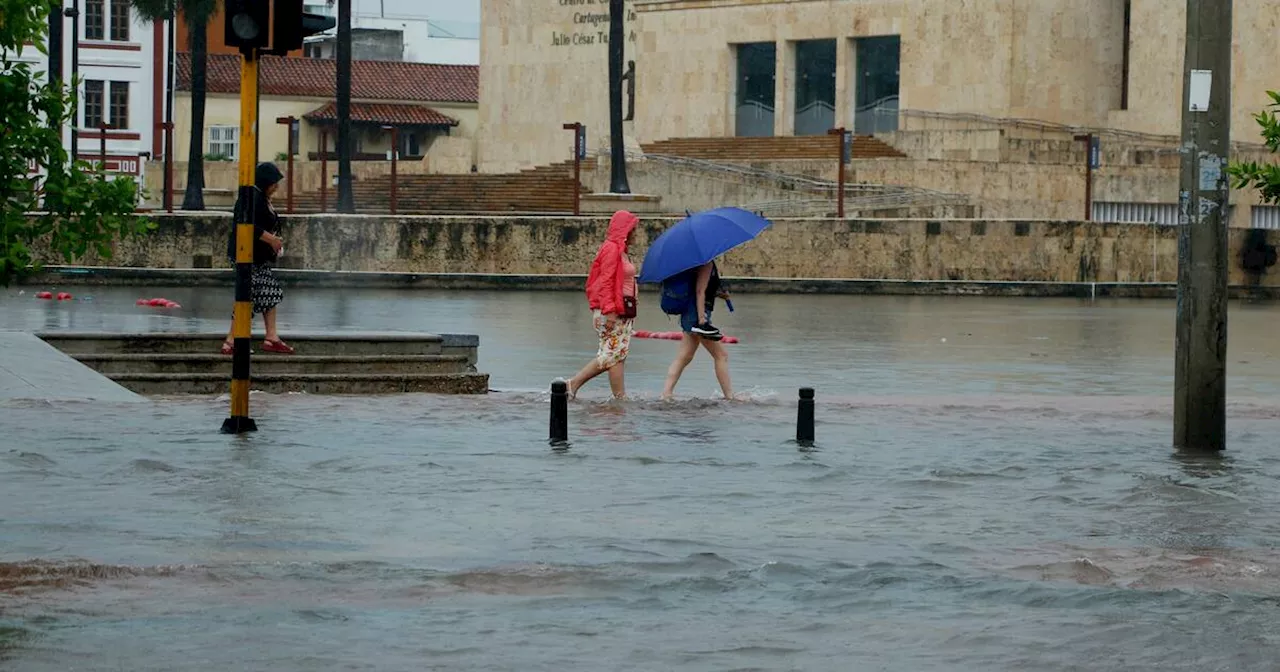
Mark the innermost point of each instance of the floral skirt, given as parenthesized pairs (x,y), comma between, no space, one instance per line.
(615,341)
(266,288)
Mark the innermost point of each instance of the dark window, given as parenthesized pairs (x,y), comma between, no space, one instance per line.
(414,148)
(93,103)
(1124,69)
(876,84)
(815,111)
(757,67)
(119,117)
(120,20)
(95,26)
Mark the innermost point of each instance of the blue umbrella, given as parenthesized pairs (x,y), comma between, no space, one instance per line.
(697,239)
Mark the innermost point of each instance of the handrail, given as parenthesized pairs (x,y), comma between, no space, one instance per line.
(828,188)
(1048,126)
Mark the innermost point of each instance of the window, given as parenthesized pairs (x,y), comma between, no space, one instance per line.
(120,20)
(95,20)
(222,141)
(757,63)
(118,115)
(93,103)
(815,82)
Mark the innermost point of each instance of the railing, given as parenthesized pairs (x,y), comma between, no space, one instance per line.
(816,118)
(857,194)
(970,121)
(880,116)
(754,119)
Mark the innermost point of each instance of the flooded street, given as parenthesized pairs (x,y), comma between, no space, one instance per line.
(992,488)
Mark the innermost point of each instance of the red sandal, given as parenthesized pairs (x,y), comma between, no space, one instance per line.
(277,346)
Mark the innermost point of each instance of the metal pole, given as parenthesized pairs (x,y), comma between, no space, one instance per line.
(804,417)
(103,156)
(839,133)
(576,127)
(74,13)
(1199,420)
(618,177)
(239,421)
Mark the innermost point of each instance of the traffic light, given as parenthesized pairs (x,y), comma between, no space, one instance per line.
(246,23)
(292,24)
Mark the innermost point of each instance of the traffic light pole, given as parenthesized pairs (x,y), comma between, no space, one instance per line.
(240,422)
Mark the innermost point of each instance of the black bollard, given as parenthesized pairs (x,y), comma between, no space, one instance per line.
(559,411)
(804,417)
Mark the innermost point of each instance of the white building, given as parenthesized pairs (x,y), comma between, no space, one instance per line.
(120,61)
(419,31)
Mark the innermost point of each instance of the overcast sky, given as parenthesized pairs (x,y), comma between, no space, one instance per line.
(440,10)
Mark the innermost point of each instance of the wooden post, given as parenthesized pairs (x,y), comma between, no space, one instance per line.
(1200,371)
(324,170)
(839,133)
(168,166)
(576,127)
(288,121)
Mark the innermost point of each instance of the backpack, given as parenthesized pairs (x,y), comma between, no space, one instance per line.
(677,294)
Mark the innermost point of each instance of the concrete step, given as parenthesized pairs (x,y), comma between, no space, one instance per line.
(266,363)
(217,383)
(305,344)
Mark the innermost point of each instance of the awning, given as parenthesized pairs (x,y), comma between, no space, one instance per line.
(384,114)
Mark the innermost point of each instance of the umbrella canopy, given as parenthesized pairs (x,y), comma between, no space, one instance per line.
(698,239)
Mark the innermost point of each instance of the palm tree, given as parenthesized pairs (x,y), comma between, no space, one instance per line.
(197,14)
(346,196)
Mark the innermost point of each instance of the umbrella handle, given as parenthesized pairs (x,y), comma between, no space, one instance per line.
(728,304)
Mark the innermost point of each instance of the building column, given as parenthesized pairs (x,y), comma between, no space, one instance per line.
(844,82)
(784,92)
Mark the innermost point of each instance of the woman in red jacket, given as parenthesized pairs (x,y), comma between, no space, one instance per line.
(611,294)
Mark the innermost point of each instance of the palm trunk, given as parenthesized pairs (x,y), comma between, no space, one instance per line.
(346,197)
(193,199)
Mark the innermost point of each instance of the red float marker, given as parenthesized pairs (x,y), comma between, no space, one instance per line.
(674,336)
(63,296)
(44,295)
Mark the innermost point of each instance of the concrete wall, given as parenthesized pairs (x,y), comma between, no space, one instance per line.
(1062,251)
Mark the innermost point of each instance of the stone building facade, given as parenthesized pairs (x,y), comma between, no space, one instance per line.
(782,67)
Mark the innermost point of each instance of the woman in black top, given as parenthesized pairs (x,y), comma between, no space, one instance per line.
(267,245)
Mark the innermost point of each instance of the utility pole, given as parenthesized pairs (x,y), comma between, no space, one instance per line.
(618,174)
(1200,365)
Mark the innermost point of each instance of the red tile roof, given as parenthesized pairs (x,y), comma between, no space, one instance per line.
(391,114)
(317,78)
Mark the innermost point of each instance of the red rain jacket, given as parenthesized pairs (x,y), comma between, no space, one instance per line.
(605,280)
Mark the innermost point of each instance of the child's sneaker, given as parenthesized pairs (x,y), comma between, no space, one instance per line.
(706,330)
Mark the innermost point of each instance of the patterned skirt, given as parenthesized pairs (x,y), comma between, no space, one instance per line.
(267,291)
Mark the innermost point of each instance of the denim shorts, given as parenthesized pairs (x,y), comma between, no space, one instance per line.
(690,319)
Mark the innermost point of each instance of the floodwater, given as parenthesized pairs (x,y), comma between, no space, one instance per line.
(1003,499)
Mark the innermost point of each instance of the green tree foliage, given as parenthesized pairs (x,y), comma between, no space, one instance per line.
(45,196)
(1265,177)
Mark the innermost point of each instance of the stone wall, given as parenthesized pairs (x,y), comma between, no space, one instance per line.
(956,250)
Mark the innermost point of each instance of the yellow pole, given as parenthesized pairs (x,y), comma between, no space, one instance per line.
(240,421)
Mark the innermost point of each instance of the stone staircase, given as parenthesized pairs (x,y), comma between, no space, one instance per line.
(340,363)
(542,190)
(772,148)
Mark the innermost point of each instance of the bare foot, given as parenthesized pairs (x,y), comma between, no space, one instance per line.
(573,391)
